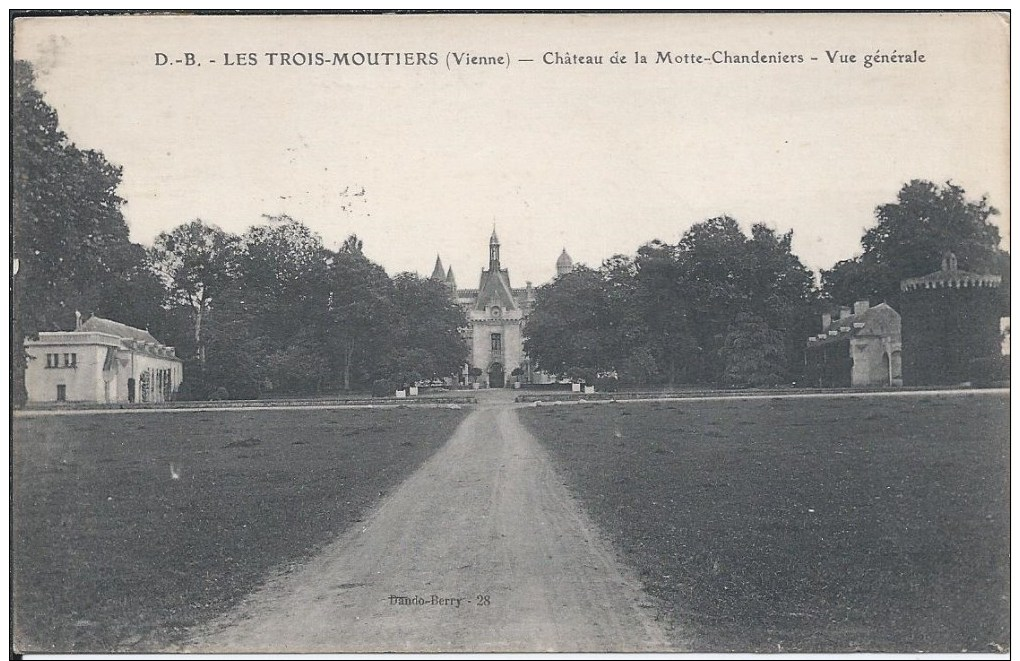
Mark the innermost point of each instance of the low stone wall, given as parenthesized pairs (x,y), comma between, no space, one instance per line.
(707,392)
(249,403)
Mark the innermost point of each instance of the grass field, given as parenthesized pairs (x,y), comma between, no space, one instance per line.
(826,525)
(112,551)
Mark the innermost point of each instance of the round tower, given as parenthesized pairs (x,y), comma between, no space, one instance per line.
(564,264)
(950,317)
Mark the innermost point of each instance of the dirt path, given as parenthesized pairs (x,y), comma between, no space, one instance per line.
(487,522)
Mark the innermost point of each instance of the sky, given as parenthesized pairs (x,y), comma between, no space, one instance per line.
(423,159)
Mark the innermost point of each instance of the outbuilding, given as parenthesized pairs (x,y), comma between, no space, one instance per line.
(101,361)
(859,348)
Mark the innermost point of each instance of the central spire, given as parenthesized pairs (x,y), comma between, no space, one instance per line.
(494,250)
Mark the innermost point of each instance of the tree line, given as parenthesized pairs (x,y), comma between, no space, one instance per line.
(274,310)
(720,307)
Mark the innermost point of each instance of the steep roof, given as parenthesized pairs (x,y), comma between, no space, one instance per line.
(494,289)
(450,280)
(99,325)
(439,273)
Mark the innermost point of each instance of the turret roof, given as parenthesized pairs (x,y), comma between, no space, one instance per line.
(439,273)
(564,260)
(494,288)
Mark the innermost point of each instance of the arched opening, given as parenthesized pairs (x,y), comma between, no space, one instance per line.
(497,376)
(887,366)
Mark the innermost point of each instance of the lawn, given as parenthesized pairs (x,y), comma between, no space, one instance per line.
(127,529)
(797,525)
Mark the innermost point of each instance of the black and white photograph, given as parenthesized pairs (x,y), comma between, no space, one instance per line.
(657,333)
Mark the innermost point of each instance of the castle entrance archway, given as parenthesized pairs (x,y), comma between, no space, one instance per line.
(497,376)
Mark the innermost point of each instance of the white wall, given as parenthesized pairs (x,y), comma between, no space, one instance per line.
(83,382)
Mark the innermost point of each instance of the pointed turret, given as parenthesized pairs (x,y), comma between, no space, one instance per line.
(564,264)
(439,273)
(494,250)
(450,281)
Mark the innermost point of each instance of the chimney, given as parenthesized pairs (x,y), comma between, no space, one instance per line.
(826,321)
(861,306)
(844,312)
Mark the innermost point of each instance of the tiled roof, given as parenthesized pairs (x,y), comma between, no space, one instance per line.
(99,325)
(865,323)
(494,287)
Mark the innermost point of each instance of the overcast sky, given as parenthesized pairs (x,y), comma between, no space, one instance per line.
(595,158)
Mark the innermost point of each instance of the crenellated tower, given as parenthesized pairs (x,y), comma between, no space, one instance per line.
(950,318)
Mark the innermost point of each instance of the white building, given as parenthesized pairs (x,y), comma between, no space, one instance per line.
(101,361)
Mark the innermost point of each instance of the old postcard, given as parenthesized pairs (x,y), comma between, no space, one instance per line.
(519,332)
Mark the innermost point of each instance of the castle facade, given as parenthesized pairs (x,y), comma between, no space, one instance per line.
(497,315)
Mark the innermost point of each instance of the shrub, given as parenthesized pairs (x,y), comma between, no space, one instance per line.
(219,394)
(383,388)
(607,384)
(581,375)
(191,389)
(989,371)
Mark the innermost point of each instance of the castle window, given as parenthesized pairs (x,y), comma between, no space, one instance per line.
(497,341)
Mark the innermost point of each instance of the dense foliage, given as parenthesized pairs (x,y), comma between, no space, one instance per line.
(663,315)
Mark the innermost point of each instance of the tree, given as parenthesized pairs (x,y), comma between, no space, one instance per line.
(352,245)
(660,294)
(196,264)
(754,353)
(426,334)
(359,316)
(711,261)
(564,329)
(69,241)
(911,237)
(281,273)
(723,273)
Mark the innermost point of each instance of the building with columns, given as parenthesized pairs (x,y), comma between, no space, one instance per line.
(101,361)
(497,314)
